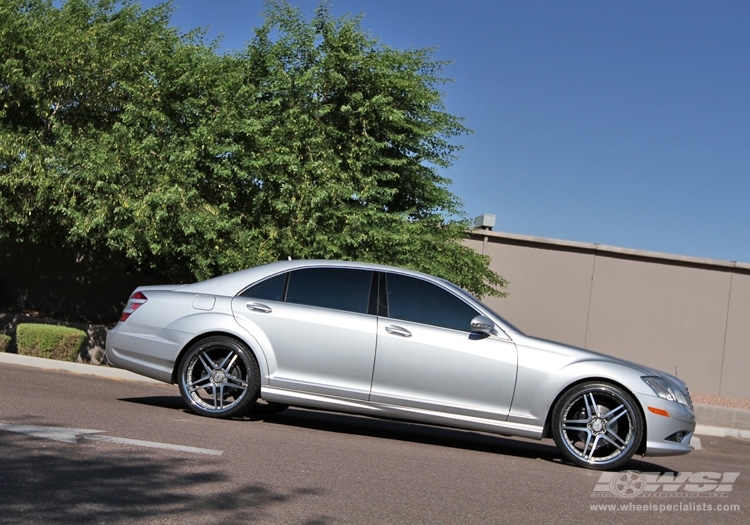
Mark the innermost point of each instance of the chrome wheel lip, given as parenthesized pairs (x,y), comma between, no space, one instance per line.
(598,426)
(220,364)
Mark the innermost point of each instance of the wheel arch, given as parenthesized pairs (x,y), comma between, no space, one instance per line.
(547,433)
(251,345)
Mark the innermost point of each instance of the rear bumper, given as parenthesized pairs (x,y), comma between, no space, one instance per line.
(141,352)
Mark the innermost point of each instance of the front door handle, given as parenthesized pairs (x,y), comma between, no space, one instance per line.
(259,307)
(397,330)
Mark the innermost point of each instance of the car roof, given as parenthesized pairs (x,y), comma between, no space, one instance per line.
(233,283)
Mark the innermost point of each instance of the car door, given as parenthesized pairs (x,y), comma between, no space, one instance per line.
(427,357)
(315,329)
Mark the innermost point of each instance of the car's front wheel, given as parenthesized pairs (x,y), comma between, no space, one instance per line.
(597,425)
(219,377)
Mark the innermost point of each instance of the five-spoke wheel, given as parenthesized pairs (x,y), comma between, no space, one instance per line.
(219,377)
(597,425)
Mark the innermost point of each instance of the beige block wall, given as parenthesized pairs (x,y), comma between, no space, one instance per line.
(735,375)
(666,317)
(548,294)
(660,310)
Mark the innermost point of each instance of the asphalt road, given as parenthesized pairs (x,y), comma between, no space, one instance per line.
(306,467)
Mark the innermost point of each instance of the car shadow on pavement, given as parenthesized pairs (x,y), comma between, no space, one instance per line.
(171,402)
(415,433)
(343,423)
(433,435)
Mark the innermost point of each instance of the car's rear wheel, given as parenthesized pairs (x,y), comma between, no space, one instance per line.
(219,377)
(597,425)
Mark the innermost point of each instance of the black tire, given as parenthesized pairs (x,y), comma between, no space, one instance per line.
(597,425)
(219,377)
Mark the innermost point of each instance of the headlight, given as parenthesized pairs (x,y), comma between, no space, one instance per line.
(665,390)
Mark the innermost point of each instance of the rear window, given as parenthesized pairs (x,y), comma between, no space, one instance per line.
(337,288)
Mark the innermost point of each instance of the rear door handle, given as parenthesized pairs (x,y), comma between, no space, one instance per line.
(397,330)
(259,307)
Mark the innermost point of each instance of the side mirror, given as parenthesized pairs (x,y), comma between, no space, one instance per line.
(482,325)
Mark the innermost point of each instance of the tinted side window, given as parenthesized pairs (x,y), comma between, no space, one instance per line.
(419,301)
(271,289)
(339,288)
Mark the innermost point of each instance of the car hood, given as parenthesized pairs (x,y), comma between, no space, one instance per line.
(576,354)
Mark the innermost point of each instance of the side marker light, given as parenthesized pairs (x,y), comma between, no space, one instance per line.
(658,411)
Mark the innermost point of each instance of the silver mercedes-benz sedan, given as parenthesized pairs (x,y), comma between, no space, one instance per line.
(388,342)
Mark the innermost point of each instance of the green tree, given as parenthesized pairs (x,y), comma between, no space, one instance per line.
(315,141)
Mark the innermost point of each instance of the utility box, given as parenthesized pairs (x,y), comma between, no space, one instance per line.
(486,221)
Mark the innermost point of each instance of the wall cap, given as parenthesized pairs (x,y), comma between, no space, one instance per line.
(606,250)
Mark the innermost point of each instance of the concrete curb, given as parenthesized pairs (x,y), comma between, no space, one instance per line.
(77,368)
(116,373)
(723,417)
(706,430)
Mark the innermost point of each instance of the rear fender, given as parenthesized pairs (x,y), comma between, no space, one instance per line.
(217,322)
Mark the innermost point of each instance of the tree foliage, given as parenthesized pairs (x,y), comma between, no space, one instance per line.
(314,141)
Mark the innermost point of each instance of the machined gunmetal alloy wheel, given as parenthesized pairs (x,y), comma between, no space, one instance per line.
(597,425)
(219,377)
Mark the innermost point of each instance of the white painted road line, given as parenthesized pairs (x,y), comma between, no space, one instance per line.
(74,435)
(152,444)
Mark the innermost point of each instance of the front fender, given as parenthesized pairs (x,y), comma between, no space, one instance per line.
(539,387)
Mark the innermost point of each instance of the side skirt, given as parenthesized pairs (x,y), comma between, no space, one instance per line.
(382,410)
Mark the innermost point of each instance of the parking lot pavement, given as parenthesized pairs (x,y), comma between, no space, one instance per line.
(713,421)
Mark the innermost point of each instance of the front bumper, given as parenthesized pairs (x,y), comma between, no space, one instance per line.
(667,435)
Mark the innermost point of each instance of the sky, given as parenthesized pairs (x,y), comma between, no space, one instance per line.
(617,123)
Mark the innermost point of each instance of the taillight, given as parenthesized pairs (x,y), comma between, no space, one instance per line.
(136,301)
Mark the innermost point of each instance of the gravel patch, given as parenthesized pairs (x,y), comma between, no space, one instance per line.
(721,401)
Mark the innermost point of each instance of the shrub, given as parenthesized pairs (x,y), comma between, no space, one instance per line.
(4,342)
(50,341)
